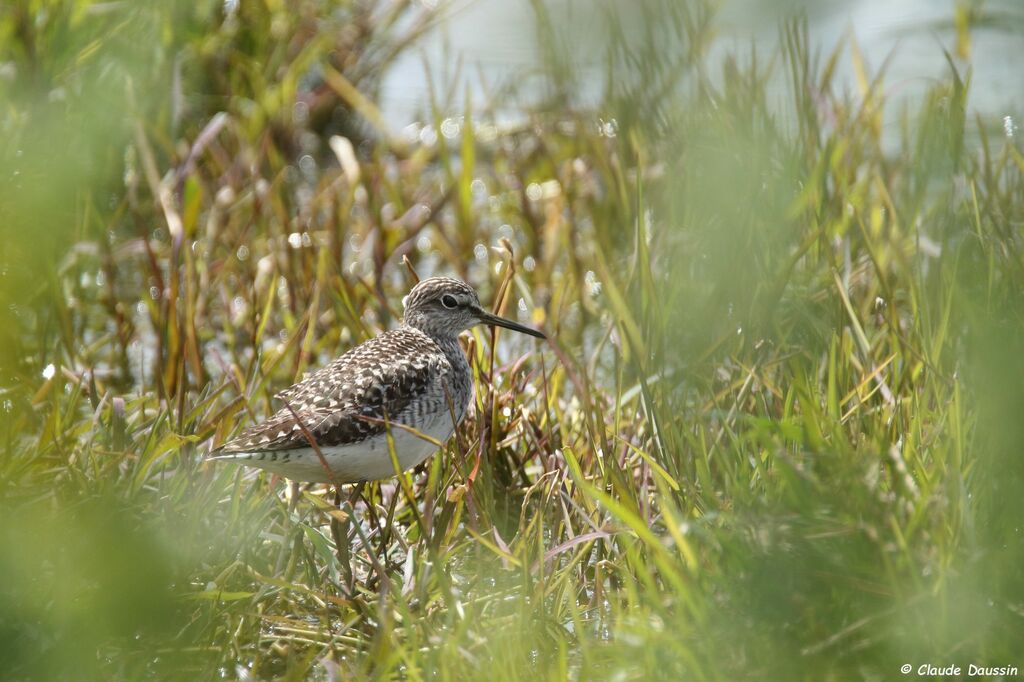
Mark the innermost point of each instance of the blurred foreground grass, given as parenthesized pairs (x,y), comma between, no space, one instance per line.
(776,433)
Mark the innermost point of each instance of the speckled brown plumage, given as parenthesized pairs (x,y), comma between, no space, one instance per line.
(347,401)
(415,376)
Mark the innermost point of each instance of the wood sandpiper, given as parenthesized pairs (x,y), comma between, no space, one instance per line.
(413,381)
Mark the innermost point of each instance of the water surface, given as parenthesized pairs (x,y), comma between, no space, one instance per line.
(486,43)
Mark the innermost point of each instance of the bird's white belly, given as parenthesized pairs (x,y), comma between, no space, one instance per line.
(368,460)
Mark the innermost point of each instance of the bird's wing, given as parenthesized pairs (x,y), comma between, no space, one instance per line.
(346,401)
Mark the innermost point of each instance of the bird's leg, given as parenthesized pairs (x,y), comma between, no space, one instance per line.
(375,522)
(340,535)
(339,530)
(294,494)
(386,533)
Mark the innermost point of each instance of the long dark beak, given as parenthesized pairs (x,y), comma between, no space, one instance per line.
(495,321)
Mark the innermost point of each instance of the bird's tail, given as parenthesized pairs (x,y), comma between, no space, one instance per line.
(220,454)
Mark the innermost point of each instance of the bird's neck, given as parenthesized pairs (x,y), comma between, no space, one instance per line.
(461,379)
(460,382)
(449,343)
(432,327)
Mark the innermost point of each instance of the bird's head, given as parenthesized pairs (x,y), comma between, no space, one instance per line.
(443,307)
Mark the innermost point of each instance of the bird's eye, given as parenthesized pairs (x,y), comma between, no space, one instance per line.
(448,301)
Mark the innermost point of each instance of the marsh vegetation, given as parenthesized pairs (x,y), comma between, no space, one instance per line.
(776,432)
